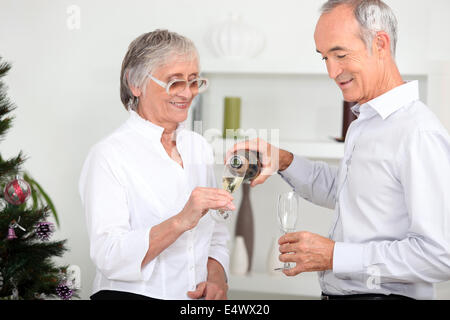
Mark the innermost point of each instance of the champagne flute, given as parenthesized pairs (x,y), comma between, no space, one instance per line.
(231,180)
(288,209)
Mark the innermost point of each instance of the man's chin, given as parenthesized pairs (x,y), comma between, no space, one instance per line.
(349,97)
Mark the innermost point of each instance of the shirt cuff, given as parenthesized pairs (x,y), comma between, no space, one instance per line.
(348,258)
(121,258)
(147,270)
(135,247)
(298,173)
(222,258)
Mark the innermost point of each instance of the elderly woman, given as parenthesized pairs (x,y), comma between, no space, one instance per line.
(146,188)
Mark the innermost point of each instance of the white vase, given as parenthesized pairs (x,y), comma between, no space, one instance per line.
(239,257)
(273,261)
(234,39)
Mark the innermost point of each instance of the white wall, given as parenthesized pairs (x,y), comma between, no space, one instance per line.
(65,83)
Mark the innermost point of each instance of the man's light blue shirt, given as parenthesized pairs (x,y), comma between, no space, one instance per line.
(391,197)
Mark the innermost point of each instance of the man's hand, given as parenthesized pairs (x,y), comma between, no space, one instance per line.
(272,158)
(310,252)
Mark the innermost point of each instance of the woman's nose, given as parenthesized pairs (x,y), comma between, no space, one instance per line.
(186,93)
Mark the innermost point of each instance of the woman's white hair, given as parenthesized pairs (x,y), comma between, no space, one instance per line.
(145,54)
(373,16)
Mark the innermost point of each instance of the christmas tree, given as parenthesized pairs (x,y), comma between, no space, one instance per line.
(26,251)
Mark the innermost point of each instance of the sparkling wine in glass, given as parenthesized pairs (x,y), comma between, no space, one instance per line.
(241,167)
(231,180)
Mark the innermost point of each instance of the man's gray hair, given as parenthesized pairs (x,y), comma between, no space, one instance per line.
(145,54)
(373,16)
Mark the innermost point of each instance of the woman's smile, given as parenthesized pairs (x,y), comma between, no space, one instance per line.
(180,105)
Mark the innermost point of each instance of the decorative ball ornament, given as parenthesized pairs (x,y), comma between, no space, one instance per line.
(234,39)
(63,291)
(44,230)
(17,191)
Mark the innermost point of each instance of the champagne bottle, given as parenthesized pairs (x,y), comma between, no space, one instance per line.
(242,166)
(246,164)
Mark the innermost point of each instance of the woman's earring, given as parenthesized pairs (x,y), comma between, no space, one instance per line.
(133,103)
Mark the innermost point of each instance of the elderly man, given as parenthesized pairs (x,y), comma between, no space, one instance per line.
(391,193)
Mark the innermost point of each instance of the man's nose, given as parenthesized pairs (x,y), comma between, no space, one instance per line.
(334,69)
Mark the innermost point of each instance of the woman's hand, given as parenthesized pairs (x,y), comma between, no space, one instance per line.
(215,287)
(200,201)
(209,291)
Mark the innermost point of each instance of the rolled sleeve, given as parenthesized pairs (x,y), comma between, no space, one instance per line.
(218,249)
(120,258)
(298,173)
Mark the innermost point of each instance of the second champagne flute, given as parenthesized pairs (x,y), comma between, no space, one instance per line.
(288,210)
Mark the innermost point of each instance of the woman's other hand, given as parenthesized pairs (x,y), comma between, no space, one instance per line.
(215,287)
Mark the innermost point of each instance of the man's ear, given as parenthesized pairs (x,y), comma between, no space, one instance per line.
(382,44)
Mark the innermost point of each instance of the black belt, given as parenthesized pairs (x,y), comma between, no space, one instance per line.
(118,295)
(367,296)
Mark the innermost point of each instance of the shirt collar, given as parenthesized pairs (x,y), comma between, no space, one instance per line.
(149,129)
(391,101)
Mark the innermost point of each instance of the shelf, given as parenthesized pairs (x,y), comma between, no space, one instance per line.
(312,67)
(315,149)
(305,284)
(223,66)
(310,149)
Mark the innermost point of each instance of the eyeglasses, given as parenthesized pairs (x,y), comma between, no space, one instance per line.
(177,86)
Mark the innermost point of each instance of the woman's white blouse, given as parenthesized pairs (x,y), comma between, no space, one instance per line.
(128,185)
